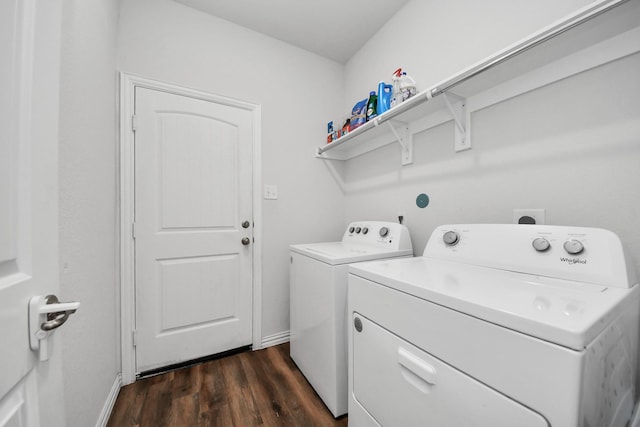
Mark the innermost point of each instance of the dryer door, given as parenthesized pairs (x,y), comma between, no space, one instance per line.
(400,385)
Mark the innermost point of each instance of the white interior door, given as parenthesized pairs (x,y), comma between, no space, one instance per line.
(193,228)
(30,390)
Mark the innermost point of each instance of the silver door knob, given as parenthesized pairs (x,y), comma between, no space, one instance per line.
(45,315)
(55,319)
(246,241)
(246,224)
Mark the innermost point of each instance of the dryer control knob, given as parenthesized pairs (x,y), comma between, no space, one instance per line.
(365,230)
(573,247)
(451,238)
(384,231)
(541,244)
(358,230)
(351,229)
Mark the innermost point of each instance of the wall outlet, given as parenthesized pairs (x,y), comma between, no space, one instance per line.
(270,192)
(536,214)
(401,216)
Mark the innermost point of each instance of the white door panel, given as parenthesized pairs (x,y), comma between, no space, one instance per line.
(30,391)
(196,152)
(204,277)
(192,193)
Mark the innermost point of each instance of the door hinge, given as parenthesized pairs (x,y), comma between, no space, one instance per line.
(134,123)
(133,230)
(134,336)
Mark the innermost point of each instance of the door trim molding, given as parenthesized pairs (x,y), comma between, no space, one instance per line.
(128,83)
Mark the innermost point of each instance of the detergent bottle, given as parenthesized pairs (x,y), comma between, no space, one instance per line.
(407,86)
(372,106)
(385,92)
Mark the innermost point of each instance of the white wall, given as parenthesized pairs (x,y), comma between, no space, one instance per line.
(433,39)
(572,148)
(87,169)
(297,92)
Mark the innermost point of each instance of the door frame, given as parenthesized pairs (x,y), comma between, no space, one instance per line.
(128,83)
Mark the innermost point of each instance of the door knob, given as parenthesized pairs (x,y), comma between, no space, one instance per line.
(246,241)
(45,315)
(246,224)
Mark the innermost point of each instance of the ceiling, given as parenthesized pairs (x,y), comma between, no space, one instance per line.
(335,29)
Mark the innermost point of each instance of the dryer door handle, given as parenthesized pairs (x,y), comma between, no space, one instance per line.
(417,366)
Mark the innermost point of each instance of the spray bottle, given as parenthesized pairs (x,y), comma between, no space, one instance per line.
(396,97)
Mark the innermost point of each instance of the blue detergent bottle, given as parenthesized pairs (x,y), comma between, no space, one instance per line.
(385,93)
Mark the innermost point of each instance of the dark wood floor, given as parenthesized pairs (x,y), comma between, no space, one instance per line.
(253,388)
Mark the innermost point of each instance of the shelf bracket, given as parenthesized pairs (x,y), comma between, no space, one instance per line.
(457,107)
(326,156)
(405,140)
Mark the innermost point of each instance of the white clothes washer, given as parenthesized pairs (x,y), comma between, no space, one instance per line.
(496,325)
(318,284)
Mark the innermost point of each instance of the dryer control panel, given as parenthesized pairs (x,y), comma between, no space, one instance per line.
(589,255)
(390,235)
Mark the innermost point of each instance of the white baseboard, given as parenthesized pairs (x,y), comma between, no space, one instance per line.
(275,339)
(111,401)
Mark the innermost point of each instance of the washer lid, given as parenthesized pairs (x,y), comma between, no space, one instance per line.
(336,253)
(564,312)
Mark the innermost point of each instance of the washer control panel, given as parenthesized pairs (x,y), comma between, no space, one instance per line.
(590,255)
(380,233)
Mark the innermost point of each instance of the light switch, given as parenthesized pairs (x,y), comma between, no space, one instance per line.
(270,192)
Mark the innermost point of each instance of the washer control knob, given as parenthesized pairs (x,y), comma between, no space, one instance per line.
(358,230)
(451,238)
(384,231)
(365,230)
(351,229)
(541,244)
(573,247)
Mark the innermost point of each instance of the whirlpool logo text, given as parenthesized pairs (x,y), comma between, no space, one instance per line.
(573,260)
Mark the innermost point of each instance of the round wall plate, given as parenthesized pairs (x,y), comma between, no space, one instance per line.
(422,200)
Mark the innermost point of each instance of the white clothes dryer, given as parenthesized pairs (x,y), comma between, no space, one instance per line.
(496,325)
(318,291)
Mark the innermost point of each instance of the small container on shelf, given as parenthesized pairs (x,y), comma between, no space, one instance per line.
(358,115)
(329,132)
(345,126)
(372,105)
(385,92)
(407,86)
(396,96)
